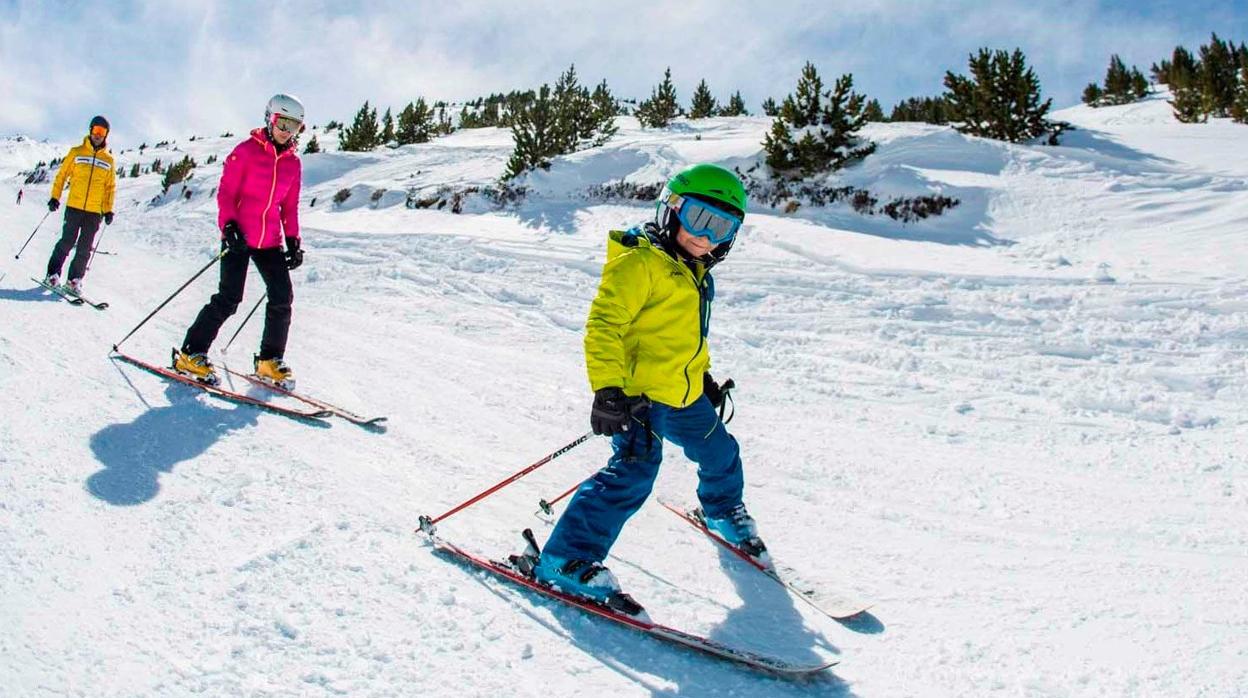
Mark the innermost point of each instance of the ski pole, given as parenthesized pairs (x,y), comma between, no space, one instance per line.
(181,288)
(94,247)
(244,323)
(428,524)
(32,235)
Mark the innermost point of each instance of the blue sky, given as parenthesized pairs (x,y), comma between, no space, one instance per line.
(170,69)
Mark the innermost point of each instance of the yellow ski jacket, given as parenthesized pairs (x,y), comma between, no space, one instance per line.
(647,327)
(92,180)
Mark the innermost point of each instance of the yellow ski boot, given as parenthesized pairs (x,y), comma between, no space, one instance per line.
(276,372)
(195,366)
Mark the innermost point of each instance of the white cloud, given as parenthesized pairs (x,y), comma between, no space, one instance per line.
(168,69)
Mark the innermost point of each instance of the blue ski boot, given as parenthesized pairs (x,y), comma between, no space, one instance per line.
(739,530)
(585,579)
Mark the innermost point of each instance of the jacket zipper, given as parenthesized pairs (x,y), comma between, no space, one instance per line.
(700,285)
(264,217)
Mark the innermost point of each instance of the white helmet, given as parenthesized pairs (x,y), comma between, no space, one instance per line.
(283,105)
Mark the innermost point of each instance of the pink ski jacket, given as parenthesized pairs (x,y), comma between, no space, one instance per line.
(260,191)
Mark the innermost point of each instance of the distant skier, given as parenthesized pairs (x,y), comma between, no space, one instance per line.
(92,182)
(19,197)
(257,206)
(648,364)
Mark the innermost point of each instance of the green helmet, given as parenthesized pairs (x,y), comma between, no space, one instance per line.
(711,182)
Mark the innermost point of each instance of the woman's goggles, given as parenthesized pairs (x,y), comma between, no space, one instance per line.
(704,220)
(99,131)
(286,123)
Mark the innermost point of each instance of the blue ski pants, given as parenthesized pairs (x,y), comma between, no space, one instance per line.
(602,504)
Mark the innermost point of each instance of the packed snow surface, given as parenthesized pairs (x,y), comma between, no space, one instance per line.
(1017,430)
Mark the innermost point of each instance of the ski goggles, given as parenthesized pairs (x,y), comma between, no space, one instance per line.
(99,131)
(704,220)
(289,124)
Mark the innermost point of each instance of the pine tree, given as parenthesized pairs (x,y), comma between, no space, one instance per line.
(1000,100)
(770,108)
(828,143)
(415,123)
(803,109)
(779,146)
(443,125)
(574,112)
(534,132)
(312,147)
(1239,109)
(1182,69)
(662,107)
(605,109)
(364,134)
(134,170)
(387,128)
(177,172)
(1117,82)
(930,110)
(873,111)
(704,104)
(1139,84)
(1189,105)
(1217,76)
(1092,95)
(736,106)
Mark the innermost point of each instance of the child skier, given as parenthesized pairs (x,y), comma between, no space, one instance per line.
(257,206)
(648,362)
(89,171)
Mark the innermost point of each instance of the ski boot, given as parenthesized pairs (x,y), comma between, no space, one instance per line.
(195,366)
(739,530)
(52,280)
(275,372)
(74,286)
(584,579)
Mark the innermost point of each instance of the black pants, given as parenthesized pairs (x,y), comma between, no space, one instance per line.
(272,267)
(80,228)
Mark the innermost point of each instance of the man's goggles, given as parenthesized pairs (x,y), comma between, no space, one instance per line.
(704,220)
(99,131)
(286,123)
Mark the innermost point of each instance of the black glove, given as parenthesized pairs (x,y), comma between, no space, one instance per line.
(234,240)
(613,411)
(294,255)
(54,204)
(108,218)
(714,391)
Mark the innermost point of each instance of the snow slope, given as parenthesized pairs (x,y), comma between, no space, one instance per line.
(1018,429)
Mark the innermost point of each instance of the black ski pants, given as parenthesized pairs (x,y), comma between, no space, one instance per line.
(271,264)
(80,228)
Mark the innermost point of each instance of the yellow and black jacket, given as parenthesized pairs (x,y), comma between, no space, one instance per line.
(92,179)
(648,325)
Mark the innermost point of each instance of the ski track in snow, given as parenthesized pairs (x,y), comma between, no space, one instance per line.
(1017,431)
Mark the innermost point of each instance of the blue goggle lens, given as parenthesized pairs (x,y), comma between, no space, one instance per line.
(704,220)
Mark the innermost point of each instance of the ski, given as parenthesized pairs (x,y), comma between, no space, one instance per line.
(701,643)
(84,299)
(338,411)
(835,607)
(216,391)
(60,291)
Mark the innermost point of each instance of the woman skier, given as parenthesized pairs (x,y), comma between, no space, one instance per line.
(257,207)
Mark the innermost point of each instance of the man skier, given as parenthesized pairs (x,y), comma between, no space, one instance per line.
(648,364)
(257,206)
(89,170)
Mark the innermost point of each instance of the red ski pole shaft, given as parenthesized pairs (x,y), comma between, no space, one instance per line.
(427,524)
